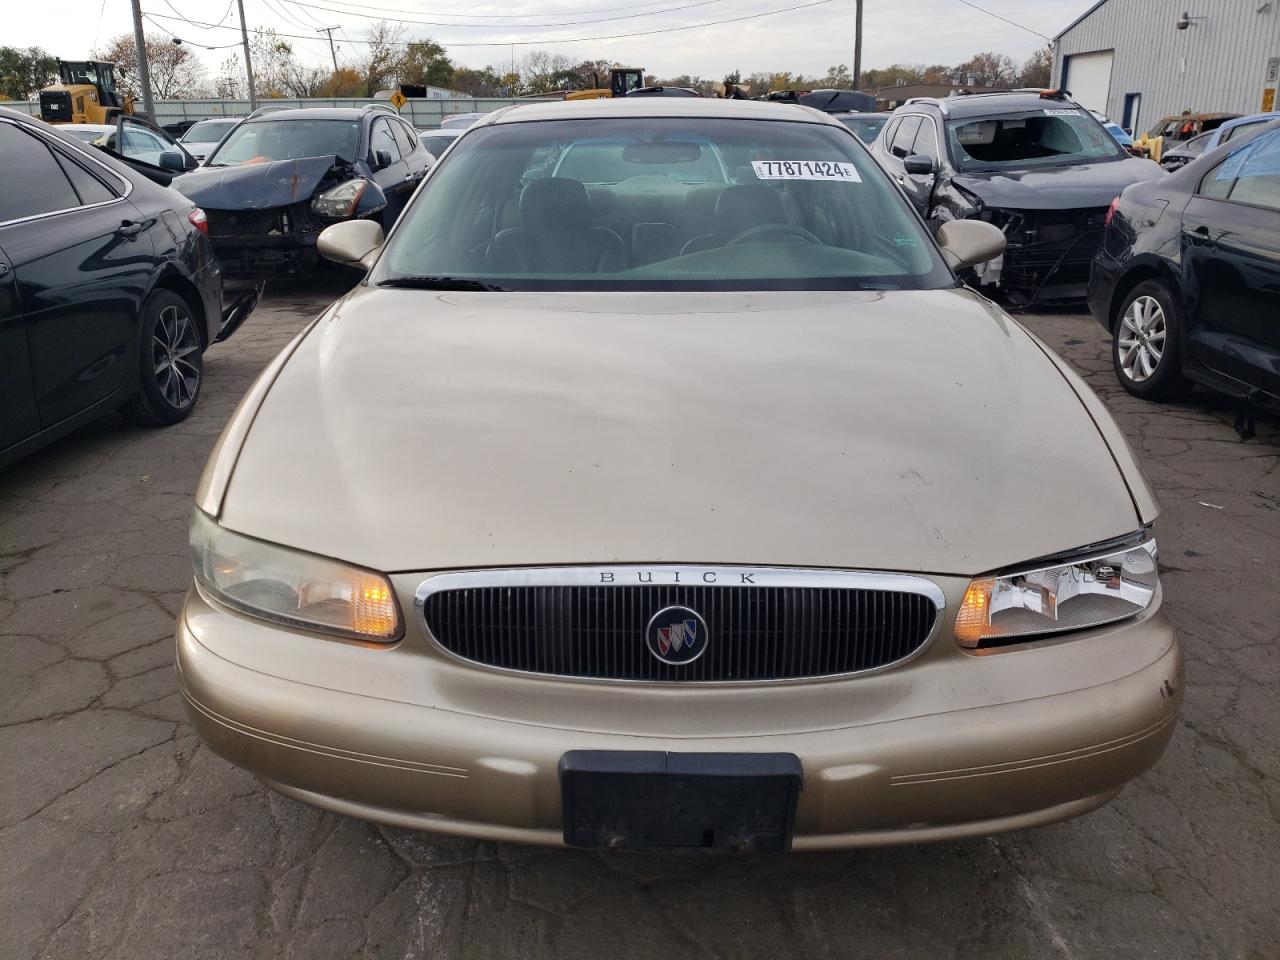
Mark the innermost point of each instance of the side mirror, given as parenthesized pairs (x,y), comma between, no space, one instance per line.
(967,242)
(919,165)
(173,161)
(381,159)
(353,243)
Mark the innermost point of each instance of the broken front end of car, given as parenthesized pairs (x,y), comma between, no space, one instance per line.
(1047,256)
(264,219)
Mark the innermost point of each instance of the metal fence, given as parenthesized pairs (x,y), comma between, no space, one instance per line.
(425,114)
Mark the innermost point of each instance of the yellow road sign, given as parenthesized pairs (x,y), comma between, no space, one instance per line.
(398,99)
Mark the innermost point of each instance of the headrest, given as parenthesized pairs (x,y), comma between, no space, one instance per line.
(554,203)
(745,206)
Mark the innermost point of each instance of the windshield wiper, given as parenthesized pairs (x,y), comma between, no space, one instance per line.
(441,283)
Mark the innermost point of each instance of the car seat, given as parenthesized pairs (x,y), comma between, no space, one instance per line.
(556,235)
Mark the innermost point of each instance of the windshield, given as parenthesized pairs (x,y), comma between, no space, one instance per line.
(1039,138)
(208,131)
(660,204)
(865,129)
(261,141)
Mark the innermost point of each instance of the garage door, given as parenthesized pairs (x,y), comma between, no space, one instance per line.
(1089,78)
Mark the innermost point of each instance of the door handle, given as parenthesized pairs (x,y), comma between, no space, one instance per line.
(4,269)
(1200,235)
(130,228)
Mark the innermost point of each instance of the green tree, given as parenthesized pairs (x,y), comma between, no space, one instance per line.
(425,62)
(24,71)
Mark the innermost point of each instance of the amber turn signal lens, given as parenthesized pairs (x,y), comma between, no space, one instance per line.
(975,613)
(373,611)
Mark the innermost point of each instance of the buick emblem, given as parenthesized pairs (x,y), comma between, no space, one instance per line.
(677,635)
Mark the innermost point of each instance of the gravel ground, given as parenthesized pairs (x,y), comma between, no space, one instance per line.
(120,836)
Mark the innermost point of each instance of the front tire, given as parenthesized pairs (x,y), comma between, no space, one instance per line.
(1145,344)
(170,362)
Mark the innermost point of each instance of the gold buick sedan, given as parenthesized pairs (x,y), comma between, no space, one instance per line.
(661,487)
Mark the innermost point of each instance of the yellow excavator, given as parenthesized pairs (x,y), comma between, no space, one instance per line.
(85,93)
(622,80)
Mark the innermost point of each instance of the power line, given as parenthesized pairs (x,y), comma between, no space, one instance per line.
(487,16)
(488,26)
(223,19)
(202,46)
(969,3)
(553,40)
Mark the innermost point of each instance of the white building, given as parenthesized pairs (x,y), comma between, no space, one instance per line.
(1140,60)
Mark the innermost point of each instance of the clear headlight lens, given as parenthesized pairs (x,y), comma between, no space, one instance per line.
(341,201)
(1100,589)
(290,587)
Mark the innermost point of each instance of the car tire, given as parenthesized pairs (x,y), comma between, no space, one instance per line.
(170,362)
(1146,348)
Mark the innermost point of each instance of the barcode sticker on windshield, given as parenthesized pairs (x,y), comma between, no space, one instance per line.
(805,170)
(1062,113)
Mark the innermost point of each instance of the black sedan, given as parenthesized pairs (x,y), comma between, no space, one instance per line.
(109,290)
(1188,277)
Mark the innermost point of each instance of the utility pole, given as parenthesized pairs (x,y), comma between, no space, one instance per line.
(857,46)
(248,60)
(334,52)
(144,74)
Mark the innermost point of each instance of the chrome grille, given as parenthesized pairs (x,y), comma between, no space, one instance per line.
(777,629)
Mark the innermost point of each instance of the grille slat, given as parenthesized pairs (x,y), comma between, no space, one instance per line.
(756,632)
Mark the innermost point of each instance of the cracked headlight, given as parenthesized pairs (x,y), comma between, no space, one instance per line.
(341,201)
(290,587)
(1102,586)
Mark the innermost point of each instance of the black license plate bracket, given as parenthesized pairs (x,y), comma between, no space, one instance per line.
(653,800)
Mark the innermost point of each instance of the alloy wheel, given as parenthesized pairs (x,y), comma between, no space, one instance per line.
(1142,337)
(173,342)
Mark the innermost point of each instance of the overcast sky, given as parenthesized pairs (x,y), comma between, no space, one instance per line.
(808,40)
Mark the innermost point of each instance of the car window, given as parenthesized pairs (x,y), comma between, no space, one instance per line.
(1047,137)
(208,131)
(381,138)
(1255,172)
(926,143)
(262,141)
(614,204)
(904,137)
(864,128)
(404,138)
(88,187)
(890,131)
(34,183)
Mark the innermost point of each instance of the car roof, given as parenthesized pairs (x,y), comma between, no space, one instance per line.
(1248,119)
(702,107)
(987,104)
(861,115)
(316,113)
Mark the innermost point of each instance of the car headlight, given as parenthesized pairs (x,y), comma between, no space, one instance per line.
(341,201)
(1101,587)
(291,587)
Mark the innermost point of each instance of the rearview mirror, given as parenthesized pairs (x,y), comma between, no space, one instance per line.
(965,242)
(173,161)
(919,164)
(661,151)
(353,243)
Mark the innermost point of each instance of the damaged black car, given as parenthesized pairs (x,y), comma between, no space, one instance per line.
(279,178)
(1037,165)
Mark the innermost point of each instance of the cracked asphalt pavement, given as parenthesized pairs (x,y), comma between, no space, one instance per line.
(121,836)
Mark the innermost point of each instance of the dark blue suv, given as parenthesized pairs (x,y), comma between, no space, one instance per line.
(280,177)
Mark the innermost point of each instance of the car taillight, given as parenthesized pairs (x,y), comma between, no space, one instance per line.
(199,220)
(1111,212)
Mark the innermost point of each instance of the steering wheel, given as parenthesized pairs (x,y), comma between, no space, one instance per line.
(762,231)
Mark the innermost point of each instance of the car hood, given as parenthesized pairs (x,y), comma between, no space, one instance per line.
(920,431)
(1055,188)
(259,186)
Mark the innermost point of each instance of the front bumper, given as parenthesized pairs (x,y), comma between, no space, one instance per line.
(415,740)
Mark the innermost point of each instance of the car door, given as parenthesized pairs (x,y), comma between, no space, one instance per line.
(390,171)
(19,418)
(1231,262)
(416,157)
(82,259)
(919,186)
(898,149)
(140,143)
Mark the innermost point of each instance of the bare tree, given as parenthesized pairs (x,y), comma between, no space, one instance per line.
(382,56)
(990,70)
(176,73)
(1038,70)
